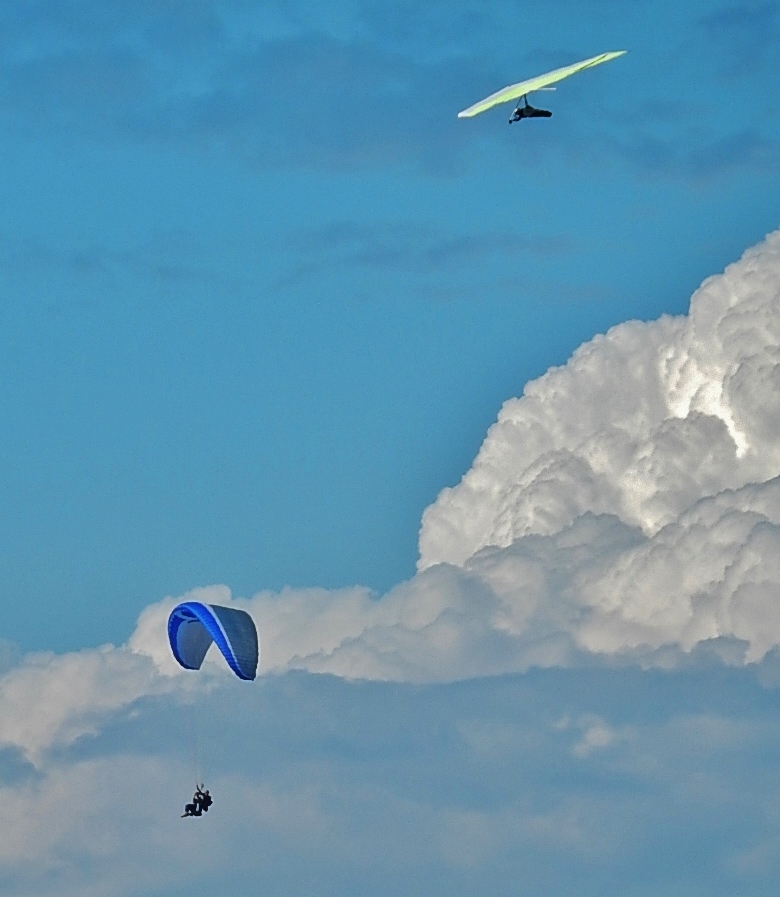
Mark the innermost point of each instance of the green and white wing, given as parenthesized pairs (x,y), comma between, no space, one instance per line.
(514,91)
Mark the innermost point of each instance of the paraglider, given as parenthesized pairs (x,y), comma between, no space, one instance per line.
(521,90)
(192,628)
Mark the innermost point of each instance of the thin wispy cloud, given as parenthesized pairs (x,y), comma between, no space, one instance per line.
(414,247)
(745,36)
(354,90)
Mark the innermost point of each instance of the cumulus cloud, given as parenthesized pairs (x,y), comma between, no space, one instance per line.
(641,423)
(661,437)
(626,507)
(53,700)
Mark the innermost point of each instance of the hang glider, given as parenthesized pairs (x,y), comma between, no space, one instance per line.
(521,90)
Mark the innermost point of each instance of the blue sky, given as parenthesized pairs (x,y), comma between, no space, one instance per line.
(263,293)
(262,298)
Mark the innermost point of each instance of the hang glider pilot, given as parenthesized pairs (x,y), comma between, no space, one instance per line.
(527,111)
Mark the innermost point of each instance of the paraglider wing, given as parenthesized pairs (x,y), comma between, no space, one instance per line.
(193,626)
(515,91)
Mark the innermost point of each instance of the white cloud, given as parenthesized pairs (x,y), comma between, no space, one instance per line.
(598,735)
(668,427)
(640,423)
(53,700)
(460,787)
(599,586)
(627,506)
(83,815)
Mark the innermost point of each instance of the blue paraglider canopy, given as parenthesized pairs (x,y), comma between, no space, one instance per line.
(193,626)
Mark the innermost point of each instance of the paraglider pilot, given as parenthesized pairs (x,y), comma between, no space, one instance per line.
(200,803)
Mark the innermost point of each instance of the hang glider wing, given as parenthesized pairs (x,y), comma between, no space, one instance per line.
(515,91)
